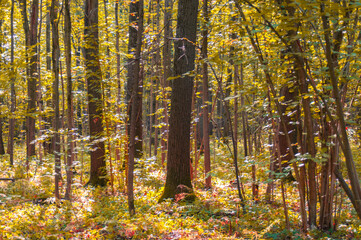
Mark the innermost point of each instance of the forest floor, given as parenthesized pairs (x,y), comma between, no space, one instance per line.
(27,210)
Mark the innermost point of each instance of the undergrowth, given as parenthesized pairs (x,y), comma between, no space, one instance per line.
(100,214)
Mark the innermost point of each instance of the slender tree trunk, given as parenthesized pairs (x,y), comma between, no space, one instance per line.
(310,144)
(283,190)
(69,97)
(2,147)
(56,123)
(132,76)
(62,115)
(134,72)
(12,89)
(31,109)
(30,30)
(39,86)
(151,114)
(272,150)
(194,135)
(105,102)
(346,148)
(207,156)
(166,73)
(48,119)
(310,148)
(116,10)
(272,89)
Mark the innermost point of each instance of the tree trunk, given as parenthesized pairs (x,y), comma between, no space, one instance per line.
(207,157)
(12,89)
(31,109)
(94,79)
(69,97)
(178,167)
(134,72)
(30,30)
(166,73)
(2,147)
(47,119)
(116,10)
(56,123)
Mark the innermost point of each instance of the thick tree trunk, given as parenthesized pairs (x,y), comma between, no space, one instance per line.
(178,166)
(94,79)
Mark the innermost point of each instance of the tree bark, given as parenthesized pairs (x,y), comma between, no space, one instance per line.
(207,157)
(94,79)
(30,30)
(178,178)
(134,72)
(167,72)
(69,97)
(116,10)
(31,109)
(55,61)
(12,89)
(132,76)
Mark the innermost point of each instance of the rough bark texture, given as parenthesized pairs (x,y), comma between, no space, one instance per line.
(94,79)
(178,165)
